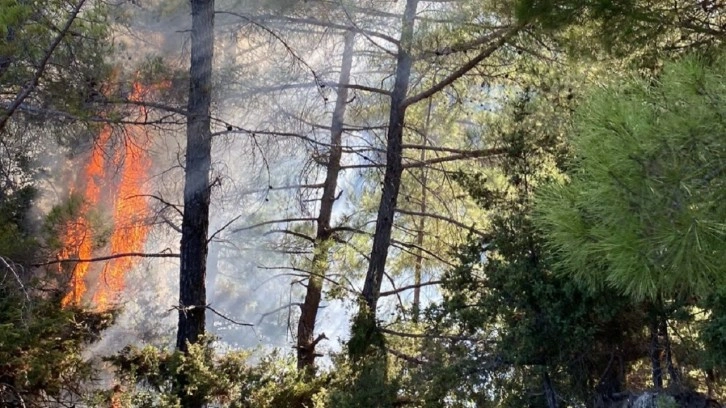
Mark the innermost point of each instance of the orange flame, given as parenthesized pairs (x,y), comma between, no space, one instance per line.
(122,179)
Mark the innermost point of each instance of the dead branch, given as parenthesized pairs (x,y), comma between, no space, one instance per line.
(176,207)
(442,218)
(290,232)
(109,257)
(262,224)
(473,154)
(428,336)
(405,288)
(223,227)
(11,268)
(211,309)
(287,306)
(316,22)
(505,36)
(424,250)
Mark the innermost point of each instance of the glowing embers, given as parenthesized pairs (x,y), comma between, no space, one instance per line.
(112,183)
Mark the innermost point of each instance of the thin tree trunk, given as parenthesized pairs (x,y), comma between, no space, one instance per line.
(655,355)
(418,264)
(365,331)
(394,166)
(549,391)
(309,311)
(673,375)
(211,279)
(195,221)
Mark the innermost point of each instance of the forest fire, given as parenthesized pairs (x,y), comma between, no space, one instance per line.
(113,178)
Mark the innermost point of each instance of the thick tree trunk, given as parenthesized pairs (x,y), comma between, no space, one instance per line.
(394,165)
(319,268)
(195,223)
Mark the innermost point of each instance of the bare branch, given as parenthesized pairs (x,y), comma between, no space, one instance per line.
(405,288)
(211,309)
(109,257)
(319,23)
(11,268)
(160,199)
(400,244)
(54,113)
(506,35)
(305,85)
(465,46)
(170,223)
(293,233)
(282,41)
(261,224)
(287,306)
(473,154)
(223,227)
(428,336)
(442,218)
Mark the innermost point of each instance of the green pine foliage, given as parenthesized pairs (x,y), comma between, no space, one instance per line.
(41,344)
(644,33)
(643,209)
(150,377)
(533,321)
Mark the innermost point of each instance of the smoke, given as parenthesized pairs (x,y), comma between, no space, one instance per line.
(267,140)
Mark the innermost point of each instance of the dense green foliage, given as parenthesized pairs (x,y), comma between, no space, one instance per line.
(643,209)
(41,344)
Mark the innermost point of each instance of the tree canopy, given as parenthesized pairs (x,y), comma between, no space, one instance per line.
(642,207)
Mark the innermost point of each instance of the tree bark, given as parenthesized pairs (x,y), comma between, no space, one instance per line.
(394,151)
(309,310)
(394,165)
(673,374)
(654,351)
(195,222)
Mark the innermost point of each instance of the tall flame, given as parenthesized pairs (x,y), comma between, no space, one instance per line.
(121,180)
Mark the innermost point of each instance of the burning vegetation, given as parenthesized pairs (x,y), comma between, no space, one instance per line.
(113,182)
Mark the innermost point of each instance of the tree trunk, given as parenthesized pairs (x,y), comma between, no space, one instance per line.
(674,378)
(211,280)
(654,352)
(309,311)
(549,391)
(394,166)
(418,264)
(195,222)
